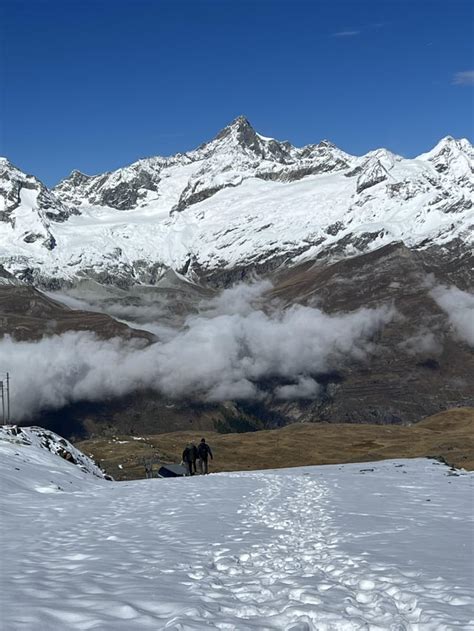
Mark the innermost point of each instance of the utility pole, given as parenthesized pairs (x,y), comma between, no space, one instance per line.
(3,402)
(8,397)
(5,396)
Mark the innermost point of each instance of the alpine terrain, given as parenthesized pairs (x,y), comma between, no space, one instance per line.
(246,284)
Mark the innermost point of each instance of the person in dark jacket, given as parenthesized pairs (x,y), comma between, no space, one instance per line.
(189,458)
(204,451)
(195,455)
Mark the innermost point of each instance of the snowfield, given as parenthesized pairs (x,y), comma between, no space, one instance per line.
(373,546)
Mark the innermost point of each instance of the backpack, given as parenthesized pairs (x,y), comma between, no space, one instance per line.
(203,451)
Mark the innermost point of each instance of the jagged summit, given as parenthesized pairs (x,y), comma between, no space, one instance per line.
(240,137)
(75,178)
(78,177)
(326,144)
(453,157)
(6,165)
(448,144)
(240,123)
(241,129)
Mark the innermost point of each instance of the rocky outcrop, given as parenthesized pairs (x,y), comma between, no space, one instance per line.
(58,446)
(14,182)
(371,173)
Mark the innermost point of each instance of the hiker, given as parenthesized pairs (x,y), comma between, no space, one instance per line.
(194,454)
(204,451)
(148,470)
(188,456)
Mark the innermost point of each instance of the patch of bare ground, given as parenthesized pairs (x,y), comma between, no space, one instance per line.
(448,435)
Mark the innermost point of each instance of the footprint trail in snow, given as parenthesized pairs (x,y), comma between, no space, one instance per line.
(308,549)
(301,574)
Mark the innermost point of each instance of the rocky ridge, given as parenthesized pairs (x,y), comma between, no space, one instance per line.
(239,202)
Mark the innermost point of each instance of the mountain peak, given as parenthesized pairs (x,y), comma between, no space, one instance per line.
(326,144)
(448,143)
(240,123)
(78,176)
(452,156)
(241,129)
(242,137)
(5,164)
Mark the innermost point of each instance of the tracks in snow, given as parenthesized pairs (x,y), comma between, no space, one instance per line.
(300,579)
(233,552)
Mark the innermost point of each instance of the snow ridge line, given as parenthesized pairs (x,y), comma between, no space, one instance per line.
(301,580)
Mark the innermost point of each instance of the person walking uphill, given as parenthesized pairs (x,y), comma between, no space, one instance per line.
(189,459)
(204,451)
(194,456)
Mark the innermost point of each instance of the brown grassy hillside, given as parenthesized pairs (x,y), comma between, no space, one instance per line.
(448,435)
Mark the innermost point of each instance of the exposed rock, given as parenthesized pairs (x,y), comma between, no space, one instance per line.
(372,173)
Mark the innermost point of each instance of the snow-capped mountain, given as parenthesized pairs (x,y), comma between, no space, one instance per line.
(241,200)
(237,153)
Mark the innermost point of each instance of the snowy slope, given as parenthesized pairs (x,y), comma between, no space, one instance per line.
(238,200)
(376,546)
(29,445)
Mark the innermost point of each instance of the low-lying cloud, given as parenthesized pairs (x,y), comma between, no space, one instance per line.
(138,310)
(223,353)
(424,343)
(459,307)
(304,388)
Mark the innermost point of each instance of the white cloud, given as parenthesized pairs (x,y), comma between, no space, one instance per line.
(304,388)
(464,78)
(459,306)
(424,343)
(223,353)
(347,33)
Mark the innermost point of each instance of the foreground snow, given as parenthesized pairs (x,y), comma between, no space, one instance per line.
(363,546)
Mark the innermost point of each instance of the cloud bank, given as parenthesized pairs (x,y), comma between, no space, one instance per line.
(222,353)
(459,307)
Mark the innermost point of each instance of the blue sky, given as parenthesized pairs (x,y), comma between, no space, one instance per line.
(97,84)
